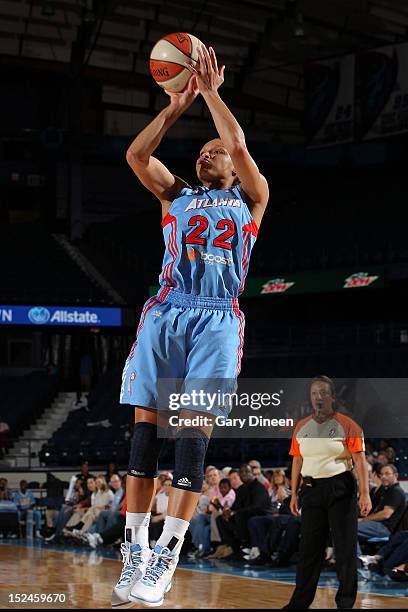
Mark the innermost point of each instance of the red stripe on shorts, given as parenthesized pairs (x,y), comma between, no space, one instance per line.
(240,333)
(148,306)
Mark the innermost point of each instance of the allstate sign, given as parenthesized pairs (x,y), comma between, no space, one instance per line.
(60,315)
(39,315)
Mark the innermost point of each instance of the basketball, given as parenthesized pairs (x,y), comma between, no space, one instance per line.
(167,60)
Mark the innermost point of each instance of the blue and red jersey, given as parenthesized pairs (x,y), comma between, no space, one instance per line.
(209,235)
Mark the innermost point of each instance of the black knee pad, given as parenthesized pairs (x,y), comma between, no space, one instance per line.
(144,451)
(191,448)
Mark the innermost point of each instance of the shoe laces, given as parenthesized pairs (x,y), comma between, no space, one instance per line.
(131,561)
(158,564)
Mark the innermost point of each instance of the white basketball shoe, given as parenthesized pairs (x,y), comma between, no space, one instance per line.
(135,559)
(157,578)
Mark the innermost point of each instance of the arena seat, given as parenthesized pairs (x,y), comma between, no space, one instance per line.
(24,398)
(50,276)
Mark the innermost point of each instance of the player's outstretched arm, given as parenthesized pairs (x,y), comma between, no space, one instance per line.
(209,79)
(150,171)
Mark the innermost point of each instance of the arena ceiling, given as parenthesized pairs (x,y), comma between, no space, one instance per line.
(263,43)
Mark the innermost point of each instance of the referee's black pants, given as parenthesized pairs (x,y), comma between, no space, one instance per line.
(331,503)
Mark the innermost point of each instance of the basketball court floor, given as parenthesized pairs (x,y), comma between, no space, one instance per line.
(82,578)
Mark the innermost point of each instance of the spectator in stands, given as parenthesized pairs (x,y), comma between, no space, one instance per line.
(163,476)
(111,470)
(225,500)
(226,497)
(260,526)
(399,573)
(369,447)
(274,537)
(76,511)
(202,504)
(390,453)
(109,516)
(201,508)
(4,437)
(257,472)
(391,555)
(370,458)
(235,479)
(9,514)
(208,469)
(252,499)
(80,501)
(268,474)
(383,444)
(382,458)
(280,489)
(388,505)
(159,512)
(375,477)
(25,500)
(213,479)
(200,522)
(5,494)
(53,500)
(84,473)
(214,489)
(107,537)
(102,501)
(370,472)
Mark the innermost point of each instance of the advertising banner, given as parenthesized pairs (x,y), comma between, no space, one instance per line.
(329,101)
(310,282)
(382,92)
(60,315)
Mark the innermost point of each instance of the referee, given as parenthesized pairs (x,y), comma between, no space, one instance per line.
(324,446)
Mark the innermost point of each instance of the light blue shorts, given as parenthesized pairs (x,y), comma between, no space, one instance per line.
(184,343)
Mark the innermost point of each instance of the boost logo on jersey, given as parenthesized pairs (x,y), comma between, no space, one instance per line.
(208,258)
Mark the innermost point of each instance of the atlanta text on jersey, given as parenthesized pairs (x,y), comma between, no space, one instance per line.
(212,203)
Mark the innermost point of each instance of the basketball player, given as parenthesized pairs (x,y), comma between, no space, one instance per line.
(193,328)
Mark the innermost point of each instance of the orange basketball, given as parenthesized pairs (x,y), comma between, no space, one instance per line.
(167,57)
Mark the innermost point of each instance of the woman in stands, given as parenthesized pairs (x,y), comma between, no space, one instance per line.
(102,500)
(280,489)
(193,328)
(159,511)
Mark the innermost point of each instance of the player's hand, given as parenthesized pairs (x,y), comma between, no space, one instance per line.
(209,76)
(365,505)
(294,505)
(181,101)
